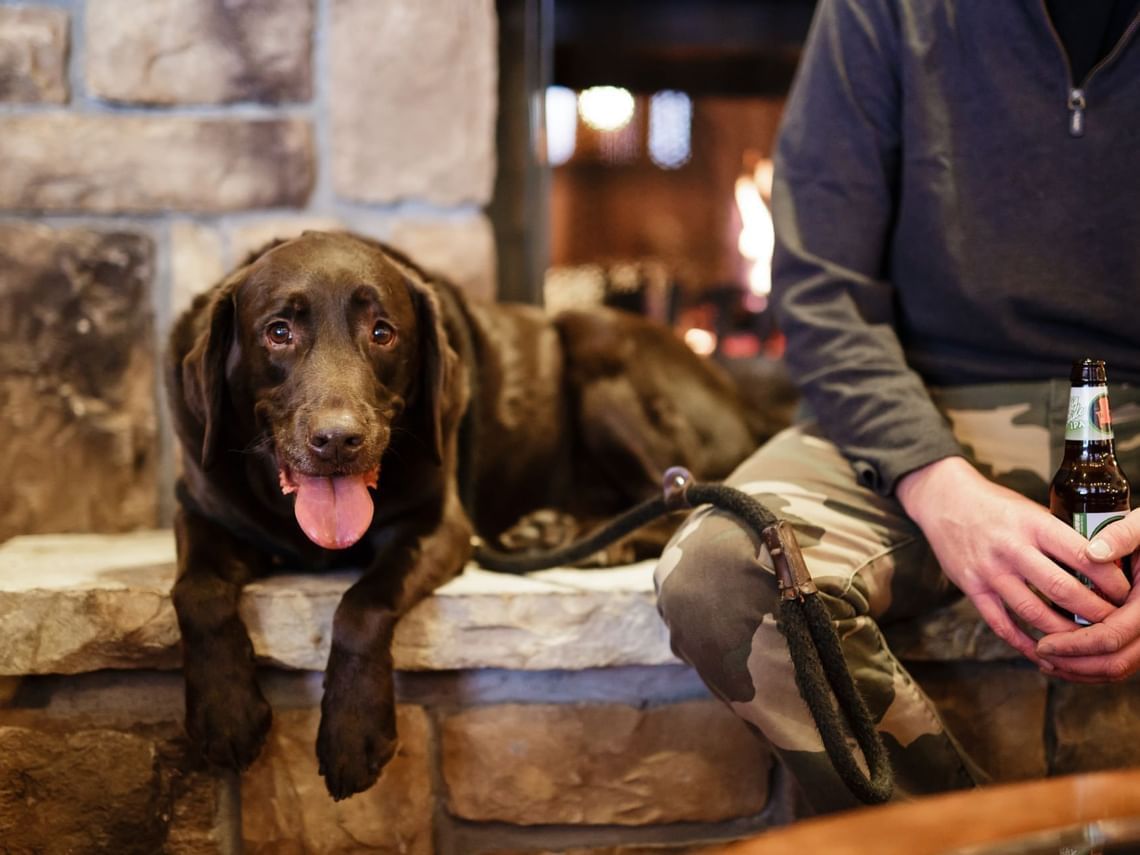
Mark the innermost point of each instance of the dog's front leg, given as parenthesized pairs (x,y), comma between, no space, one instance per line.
(226,714)
(357,733)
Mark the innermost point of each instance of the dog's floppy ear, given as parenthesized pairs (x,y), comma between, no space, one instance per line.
(437,395)
(204,368)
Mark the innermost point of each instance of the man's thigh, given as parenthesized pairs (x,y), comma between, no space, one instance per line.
(858,546)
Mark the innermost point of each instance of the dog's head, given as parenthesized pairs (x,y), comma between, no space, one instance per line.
(321,347)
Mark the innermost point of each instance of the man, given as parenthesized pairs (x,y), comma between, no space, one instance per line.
(957,220)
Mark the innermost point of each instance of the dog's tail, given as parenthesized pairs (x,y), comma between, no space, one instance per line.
(767,394)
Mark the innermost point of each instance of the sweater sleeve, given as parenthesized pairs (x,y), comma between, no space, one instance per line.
(836,181)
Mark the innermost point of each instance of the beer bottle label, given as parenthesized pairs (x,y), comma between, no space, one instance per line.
(1089,417)
(1089,525)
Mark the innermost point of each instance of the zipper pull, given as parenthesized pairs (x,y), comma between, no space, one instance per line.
(1077,113)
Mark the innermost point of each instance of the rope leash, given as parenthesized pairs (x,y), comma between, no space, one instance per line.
(822,676)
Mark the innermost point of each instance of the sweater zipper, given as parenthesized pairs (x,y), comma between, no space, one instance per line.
(1077,103)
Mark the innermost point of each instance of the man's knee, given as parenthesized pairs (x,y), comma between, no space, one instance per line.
(714,593)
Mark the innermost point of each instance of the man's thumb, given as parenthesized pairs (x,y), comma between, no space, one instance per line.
(1115,540)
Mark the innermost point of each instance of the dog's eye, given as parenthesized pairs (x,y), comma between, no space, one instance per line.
(279,333)
(383,333)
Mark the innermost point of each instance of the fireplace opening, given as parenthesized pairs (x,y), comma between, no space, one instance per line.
(659,123)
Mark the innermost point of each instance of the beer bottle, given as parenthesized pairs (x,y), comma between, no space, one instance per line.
(1089,491)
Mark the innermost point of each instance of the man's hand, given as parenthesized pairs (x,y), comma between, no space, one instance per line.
(1109,650)
(1000,548)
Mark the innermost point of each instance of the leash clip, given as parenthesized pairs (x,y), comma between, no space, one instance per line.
(677,481)
(791,571)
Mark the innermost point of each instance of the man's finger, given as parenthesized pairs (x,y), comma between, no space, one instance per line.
(1116,539)
(1060,587)
(1070,549)
(1102,669)
(1108,651)
(1115,633)
(1028,606)
(1099,639)
(1070,677)
(992,610)
(1109,579)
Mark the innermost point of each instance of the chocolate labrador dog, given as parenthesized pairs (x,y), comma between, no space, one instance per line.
(339,407)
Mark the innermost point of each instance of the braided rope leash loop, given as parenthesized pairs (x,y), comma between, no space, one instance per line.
(822,675)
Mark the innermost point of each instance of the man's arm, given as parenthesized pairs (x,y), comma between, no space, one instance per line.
(834,203)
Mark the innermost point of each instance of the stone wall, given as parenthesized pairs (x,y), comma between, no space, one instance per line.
(541,714)
(147,147)
(537,715)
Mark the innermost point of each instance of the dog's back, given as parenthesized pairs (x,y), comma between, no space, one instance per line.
(584,411)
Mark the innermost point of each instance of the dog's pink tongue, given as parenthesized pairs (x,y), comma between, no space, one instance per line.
(334,512)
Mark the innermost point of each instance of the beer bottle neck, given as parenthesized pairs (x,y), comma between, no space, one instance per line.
(1101,449)
(1089,421)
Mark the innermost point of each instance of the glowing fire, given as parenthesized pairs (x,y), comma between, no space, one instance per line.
(757,236)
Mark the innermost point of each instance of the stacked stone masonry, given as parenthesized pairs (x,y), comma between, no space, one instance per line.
(149,147)
(537,714)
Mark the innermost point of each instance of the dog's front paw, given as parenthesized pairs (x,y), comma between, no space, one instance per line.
(357,735)
(229,723)
(543,529)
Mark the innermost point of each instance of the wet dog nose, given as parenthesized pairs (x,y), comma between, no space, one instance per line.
(336,437)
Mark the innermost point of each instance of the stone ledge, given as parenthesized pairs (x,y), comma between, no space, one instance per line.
(76,603)
(84,602)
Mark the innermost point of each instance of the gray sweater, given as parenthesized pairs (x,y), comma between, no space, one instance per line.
(951,208)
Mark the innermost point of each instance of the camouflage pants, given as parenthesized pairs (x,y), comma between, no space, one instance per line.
(718,594)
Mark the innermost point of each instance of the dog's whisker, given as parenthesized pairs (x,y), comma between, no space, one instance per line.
(257,445)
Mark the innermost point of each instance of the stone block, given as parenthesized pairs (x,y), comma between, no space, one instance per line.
(148,701)
(124,163)
(462,249)
(286,808)
(1094,727)
(204,808)
(423,127)
(77,381)
(33,55)
(197,261)
(199,51)
(249,237)
(555,619)
(85,602)
(121,617)
(104,790)
(996,710)
(603,765)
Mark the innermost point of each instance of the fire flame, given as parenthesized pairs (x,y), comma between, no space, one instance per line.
(757,236)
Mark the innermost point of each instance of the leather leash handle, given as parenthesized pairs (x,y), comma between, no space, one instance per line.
(822,673)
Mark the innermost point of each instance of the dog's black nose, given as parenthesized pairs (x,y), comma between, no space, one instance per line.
(336,437)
